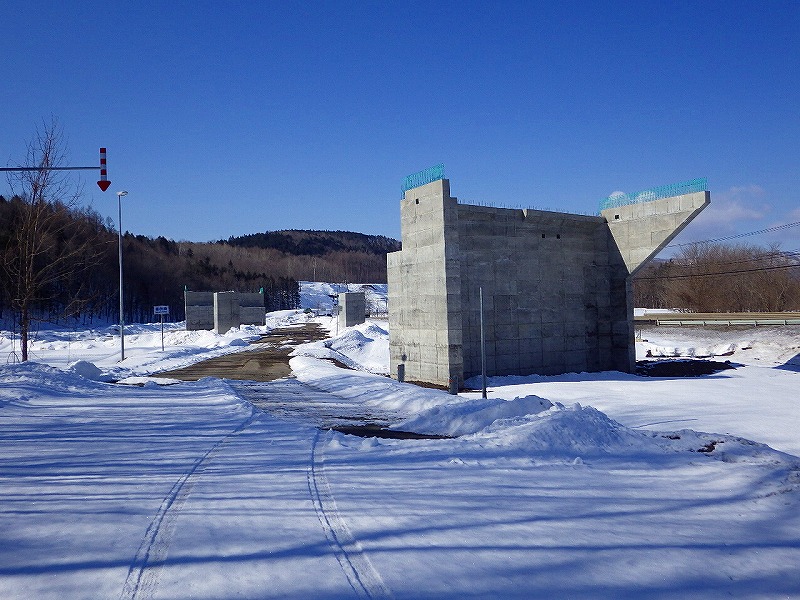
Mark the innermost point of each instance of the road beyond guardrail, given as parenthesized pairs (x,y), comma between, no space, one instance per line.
(745,318)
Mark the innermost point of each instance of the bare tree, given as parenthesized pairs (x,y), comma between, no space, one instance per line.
(722,278)
(46,247)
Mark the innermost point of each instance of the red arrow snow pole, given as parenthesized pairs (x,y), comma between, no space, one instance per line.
(104,183)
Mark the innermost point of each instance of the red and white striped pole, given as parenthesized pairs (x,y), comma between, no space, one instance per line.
(104,183)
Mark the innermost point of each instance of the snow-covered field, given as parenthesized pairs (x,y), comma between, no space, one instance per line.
(578,486)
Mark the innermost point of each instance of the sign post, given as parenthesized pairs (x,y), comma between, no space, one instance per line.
(161,310)
(103,184)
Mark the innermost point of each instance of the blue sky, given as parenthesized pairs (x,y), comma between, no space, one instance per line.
(227,118)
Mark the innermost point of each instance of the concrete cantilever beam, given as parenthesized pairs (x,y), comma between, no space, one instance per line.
(643,229)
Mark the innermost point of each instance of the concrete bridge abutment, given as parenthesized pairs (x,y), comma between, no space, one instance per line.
(556,286)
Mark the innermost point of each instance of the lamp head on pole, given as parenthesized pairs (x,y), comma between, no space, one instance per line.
(120,194)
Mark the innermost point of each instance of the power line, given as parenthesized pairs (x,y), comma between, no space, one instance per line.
(687,275)
(738,235)
(49,168)
(761,258)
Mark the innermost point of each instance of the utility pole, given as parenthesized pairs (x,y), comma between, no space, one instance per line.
(483,348)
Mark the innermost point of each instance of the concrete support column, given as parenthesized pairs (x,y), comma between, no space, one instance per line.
(226,311)
(352,309)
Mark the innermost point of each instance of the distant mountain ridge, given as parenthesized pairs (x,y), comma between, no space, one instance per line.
(316,242)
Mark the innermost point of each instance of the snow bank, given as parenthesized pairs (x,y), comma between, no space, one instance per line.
(723,349)
(366,387)
(43,380)
(529,424)
(470,416)
(86,369)
(83,351)
(574,430)
(364,347)
(282,318)
(749,345)
(318,295)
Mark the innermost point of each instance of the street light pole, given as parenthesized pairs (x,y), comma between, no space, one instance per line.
(121,314)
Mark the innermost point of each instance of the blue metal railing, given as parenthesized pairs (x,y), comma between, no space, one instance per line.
(662,191)
(428,175)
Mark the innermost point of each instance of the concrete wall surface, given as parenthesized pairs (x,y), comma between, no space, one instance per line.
(556,287)
(643,229)
(222,310)
(199,310)
(424,289)
(226,311)
(352,309)
(545,283)
(251,309)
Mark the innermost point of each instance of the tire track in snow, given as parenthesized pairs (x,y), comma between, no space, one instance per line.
(358,569)
(147,564)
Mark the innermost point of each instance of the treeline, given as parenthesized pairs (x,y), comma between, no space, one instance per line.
(52,260)
(156,271)
(320,255)
(317,243)
(722,278)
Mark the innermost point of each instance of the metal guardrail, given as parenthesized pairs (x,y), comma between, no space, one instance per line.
(656,193)
(683,319)
(425,176)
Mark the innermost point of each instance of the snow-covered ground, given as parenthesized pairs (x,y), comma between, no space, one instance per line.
(321,297)
(578,486)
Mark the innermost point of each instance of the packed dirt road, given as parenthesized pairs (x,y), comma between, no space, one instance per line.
(266,360)
(263,377)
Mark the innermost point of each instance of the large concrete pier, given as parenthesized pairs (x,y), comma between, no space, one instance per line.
(556,286)
(222,310)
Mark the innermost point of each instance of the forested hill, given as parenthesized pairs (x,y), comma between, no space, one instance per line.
(158,270)
(310,255)
(317,243)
